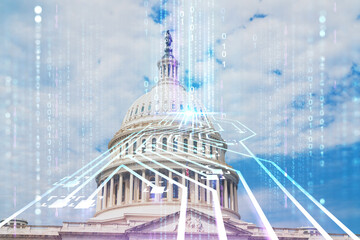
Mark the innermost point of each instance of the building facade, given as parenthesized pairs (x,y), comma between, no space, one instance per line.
(167,176)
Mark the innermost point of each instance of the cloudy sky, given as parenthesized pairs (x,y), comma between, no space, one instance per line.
(287,70)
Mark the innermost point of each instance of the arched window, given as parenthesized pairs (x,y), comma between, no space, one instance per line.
(119,152)
(175,144)
(143,146)
(126,148)
(136,111)
(134,148)
(181,107)
(195,147)
(153,144)
(175,188)
(185,145)
(164,143)
(152,180)
(203,148)
(142,109)
(149,108)
(211,151)
(164,184)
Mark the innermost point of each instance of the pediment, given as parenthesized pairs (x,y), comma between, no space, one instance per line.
(196,222)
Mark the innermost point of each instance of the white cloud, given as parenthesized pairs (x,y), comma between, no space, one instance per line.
(118,54)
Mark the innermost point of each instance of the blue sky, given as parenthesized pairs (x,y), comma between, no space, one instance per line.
(95,57)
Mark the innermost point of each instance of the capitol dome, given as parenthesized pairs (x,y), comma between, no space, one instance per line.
(162,153)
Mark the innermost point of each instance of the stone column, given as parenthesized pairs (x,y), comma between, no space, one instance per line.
(170,188)
(235,199)
(218,187)
(157,195)
(208,191)
(136,189)
(104,197)
(226,194)
(202,192)
(131,186)
(191,191)
(127,191)
(182,181)
(111,192)
(143,194)
(98,200)
(196,188)
(231,196)
(119,202)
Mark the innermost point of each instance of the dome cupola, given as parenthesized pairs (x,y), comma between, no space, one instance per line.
(168,65)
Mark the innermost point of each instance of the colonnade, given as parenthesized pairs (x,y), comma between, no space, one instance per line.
(126,189)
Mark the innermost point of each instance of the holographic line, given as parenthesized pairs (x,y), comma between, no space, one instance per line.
(288,194)
(112,174)
(119,154)
(307,194)
(261,214)
(297,204)
(37,199)
(179,156)
(101,169)
(126,156)
(218,214)
(258,209)
(319,205)
(96,173)
(65,201)
(184,196)
(105,158)
(105,182)
(183,165)
(65,179)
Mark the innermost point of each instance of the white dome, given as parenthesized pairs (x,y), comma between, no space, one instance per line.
(164,99)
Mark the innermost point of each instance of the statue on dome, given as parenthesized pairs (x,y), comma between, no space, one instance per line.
(168,38)
(168,41)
